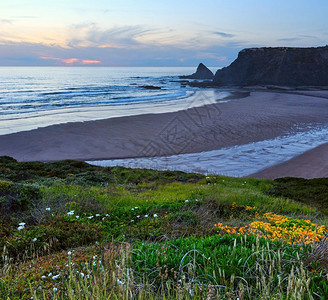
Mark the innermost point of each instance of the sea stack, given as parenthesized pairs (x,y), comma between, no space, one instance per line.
(281,66)
(202,72)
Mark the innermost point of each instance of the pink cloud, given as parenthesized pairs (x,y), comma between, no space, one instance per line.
(70,61)
(89,62)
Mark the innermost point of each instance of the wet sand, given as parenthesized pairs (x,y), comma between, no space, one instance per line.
(311,164)
(262,115)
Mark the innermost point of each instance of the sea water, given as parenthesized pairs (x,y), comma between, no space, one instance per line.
(32,97)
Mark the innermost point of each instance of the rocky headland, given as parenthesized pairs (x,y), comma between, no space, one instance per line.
(280,66)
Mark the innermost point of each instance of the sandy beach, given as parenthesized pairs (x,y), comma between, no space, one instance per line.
(262,115)
(311,164)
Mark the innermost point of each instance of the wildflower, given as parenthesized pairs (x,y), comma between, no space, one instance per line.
(187,201)
(90,217)
(22,224)
(77,217)
(138,216)
(155,215)
(107,215)
(82,274)
(71,213)
(94,257)
(50,274)
(132,208)
(43,277)
(20,227)
(34,240)
(132,220)
(97,215)
(136,207)
(69,253)
(55,290)
(146,216)
(48,209)
(55,277)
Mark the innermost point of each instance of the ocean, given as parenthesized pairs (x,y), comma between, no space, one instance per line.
(32,97)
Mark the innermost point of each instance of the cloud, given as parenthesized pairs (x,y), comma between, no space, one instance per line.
(25,17)
(224,34)
(71,61)
(6,21)
(90,62)
(291,39)
(89,34)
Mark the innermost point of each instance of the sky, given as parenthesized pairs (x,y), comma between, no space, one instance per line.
(153,33)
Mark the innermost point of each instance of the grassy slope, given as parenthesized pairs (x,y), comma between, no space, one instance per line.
(158,227)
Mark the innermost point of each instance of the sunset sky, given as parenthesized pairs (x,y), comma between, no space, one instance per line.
(152,33)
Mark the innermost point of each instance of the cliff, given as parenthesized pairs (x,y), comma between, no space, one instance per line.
(277,66)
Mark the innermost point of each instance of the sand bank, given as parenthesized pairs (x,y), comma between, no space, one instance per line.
(311,164)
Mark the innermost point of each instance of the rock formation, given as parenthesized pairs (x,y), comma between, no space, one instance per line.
(202,73)
(280,66)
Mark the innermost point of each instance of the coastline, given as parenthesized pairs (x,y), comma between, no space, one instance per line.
(311,164)
(258,117)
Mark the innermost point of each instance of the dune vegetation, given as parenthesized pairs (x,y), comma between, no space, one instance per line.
(69,230)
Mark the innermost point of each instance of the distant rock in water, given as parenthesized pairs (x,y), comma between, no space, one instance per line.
(151,87)
(280,66)
(202,73)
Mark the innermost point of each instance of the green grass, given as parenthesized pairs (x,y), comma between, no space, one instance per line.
(153,233)
(313,192)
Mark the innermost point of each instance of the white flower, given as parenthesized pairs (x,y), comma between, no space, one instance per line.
(55,277)
(70,213)
(20,227)
(82,274)
(55,290)
(155,215)
(146,216)
(34,240)
(132,220)
(132,208)
(69,253)
(43,277)
(207,177)
(49,274)
(103,218)
(107,215)
(97,215)
(48,208)
(90,217)
(77,217)
(138,216)
(136,207)
(95,256)
(187,201)
(22,224)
